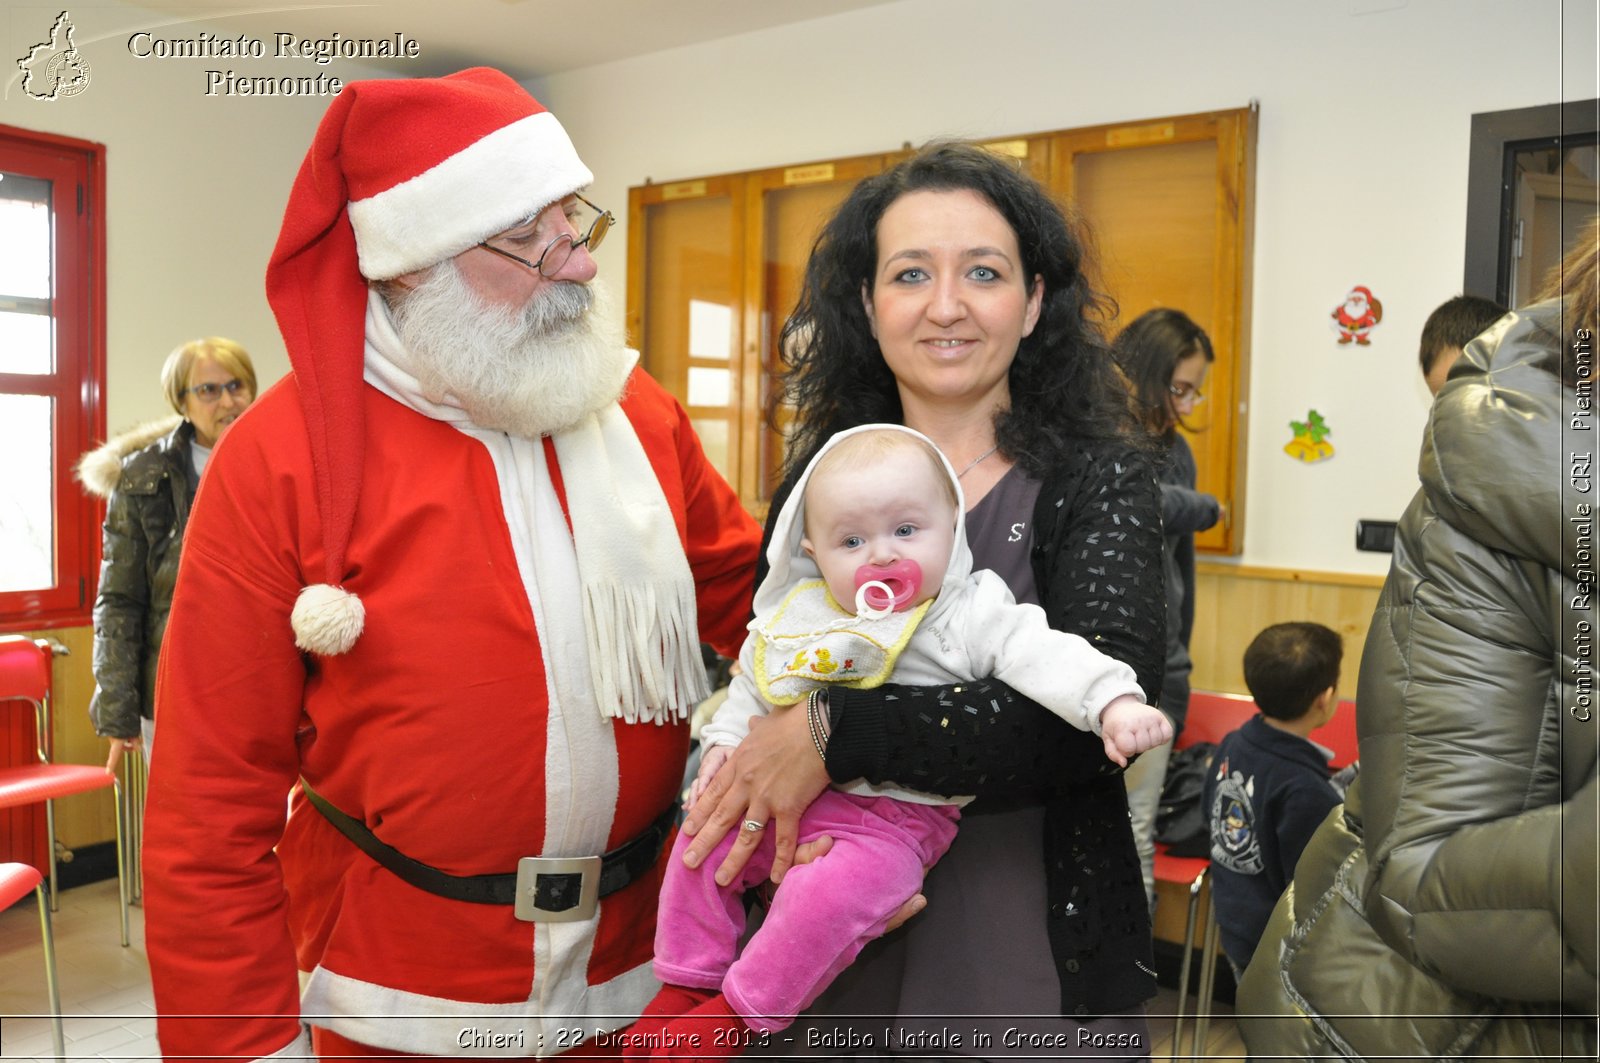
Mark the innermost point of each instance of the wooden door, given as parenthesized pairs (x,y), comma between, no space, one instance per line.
(788,208)
(1169,202)
(685,300)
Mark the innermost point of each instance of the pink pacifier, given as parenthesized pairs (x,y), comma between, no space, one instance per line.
(885,589)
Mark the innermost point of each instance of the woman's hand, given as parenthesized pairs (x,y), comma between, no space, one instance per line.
(120,746)
(771,777)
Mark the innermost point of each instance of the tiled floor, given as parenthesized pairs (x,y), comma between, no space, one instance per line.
(105,989)
(1222,1036)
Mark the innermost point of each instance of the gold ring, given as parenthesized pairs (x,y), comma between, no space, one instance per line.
(753,825)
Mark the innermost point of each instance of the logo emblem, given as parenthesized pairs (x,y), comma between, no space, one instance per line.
(55,68)
(1234,844)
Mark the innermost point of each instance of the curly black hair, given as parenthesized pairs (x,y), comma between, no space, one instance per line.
(1064,385)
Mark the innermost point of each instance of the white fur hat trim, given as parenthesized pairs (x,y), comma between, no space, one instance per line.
(502,180)
(326,619)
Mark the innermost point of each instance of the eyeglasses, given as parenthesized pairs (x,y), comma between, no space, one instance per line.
(209,393)
(557,251)
(1179,392)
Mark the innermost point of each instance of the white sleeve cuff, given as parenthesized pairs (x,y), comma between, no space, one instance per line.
(299,1048)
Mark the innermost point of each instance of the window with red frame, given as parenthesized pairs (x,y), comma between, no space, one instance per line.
(52,373)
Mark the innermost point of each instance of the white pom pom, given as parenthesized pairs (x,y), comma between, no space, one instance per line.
(327,620)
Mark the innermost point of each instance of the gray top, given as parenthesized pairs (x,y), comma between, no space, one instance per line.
(999,535)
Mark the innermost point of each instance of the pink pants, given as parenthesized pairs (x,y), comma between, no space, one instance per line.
(821,916)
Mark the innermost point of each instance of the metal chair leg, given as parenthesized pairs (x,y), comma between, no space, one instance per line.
(1208,974)
(1183,967)
(141,777)
(134,780)
(119,796)
(50,979)
(50,844)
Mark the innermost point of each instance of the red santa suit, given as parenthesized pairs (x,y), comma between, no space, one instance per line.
(462,727)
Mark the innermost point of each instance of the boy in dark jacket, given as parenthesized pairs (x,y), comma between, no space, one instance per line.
(1268,789)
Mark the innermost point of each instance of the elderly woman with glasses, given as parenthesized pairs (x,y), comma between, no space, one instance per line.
(148,476)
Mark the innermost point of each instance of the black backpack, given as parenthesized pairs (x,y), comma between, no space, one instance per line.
(1183,824)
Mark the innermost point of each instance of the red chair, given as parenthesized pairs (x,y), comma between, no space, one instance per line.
(1211,718)
(15,882)
(25,676)
(1339,735)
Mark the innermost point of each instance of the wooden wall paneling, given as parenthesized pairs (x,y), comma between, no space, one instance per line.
(1234,602)
(1031,152)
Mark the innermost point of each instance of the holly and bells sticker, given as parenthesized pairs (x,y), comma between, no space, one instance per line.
(1310,443)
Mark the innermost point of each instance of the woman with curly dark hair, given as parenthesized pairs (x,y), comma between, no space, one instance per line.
(1061,381)
(948,294)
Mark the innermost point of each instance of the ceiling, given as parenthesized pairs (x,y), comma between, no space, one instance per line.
(525,38)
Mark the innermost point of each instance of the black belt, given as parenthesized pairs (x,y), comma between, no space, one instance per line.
(543,889)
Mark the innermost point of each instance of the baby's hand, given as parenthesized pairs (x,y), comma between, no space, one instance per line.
(1129,726)
(711,759)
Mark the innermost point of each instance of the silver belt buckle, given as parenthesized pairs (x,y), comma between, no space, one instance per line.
(570,901)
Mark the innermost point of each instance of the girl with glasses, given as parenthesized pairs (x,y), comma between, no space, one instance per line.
(1165,357)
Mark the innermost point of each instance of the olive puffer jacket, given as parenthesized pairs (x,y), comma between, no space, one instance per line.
(146,475)
(1448,909)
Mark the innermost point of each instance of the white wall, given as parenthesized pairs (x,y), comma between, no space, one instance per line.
(195,187)
(1361,176)
(1365,118)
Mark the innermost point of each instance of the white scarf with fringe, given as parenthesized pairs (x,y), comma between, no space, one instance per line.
(640,631)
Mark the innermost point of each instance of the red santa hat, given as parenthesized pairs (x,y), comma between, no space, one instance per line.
(402,174)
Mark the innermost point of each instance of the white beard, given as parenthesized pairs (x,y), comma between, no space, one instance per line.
(528,374)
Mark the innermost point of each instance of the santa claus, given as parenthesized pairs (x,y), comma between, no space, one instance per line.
(446,583)
(1354,318)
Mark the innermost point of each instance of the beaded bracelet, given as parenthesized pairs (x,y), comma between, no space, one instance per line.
(814,722)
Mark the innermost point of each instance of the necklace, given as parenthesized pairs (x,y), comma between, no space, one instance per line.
(973,464)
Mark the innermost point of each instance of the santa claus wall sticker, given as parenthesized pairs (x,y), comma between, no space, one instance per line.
(1355,317)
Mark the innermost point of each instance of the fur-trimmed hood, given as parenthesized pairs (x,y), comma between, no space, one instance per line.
(101,468)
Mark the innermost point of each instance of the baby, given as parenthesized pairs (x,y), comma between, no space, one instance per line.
(870,579)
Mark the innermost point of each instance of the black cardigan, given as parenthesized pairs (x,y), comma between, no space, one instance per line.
(1097,542)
